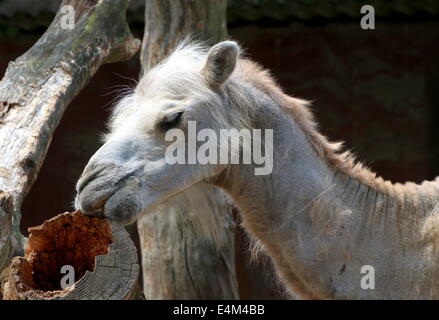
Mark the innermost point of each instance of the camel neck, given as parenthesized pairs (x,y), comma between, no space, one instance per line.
(322,227)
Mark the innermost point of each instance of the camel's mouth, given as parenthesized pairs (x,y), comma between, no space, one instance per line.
(99,213)
(71,239)
(96,188)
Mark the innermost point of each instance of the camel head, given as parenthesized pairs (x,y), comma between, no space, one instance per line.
(136,168)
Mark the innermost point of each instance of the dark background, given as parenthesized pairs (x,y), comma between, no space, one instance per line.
(378,90)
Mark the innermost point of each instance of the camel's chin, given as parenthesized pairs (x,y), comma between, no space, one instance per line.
(123,208)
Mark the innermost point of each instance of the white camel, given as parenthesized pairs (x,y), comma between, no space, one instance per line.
(326,221)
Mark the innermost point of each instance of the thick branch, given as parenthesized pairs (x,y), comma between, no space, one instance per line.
(168,22)
(36,89)
(178,263)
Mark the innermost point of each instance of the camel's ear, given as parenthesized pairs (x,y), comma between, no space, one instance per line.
(220,63)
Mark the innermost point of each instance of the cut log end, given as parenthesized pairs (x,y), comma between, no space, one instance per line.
(101,253)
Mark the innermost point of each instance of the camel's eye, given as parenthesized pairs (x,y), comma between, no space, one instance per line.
(170,121)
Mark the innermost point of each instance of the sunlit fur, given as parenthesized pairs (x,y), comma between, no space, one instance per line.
(176,78)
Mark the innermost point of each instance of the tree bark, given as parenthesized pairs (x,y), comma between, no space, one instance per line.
(178,263)
(167,22)
(35,91)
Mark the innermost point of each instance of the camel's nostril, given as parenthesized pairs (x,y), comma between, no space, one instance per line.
(87,176)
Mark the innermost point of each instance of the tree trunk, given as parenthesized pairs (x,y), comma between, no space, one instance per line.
(35,91)
(178,263)
(167,22)
(101,253)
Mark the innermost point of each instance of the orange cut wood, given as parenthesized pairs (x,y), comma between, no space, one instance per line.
(101,253)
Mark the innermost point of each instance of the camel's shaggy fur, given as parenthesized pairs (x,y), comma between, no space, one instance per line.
(320,215)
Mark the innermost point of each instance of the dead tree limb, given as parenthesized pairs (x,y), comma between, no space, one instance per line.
(37,88)
(177,263)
